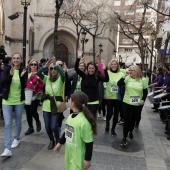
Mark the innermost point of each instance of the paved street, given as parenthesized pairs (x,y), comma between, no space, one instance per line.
(149,150)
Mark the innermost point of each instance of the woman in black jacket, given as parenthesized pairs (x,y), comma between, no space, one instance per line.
(13,83)
(90,81)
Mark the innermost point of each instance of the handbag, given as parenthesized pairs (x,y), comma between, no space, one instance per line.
(62,107)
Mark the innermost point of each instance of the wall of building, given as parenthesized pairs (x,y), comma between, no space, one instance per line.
(40,20)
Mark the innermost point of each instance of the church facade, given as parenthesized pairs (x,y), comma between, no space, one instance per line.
(40,33)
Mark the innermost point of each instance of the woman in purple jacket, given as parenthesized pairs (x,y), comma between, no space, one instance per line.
(167,90)
(158,83)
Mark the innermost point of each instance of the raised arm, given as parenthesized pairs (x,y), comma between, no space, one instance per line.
(61,72)
(79,72)
(105,77)
(40,73)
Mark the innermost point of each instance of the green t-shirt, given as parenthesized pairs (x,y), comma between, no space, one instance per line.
(78,131)
(78,85)
(111,86)
(134,90)
(123,70)
(14,97)
(57,88)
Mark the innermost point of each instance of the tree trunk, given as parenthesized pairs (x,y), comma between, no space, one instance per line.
(94,46)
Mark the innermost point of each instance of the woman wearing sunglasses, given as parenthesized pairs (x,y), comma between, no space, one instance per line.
(34,89)
(54,83)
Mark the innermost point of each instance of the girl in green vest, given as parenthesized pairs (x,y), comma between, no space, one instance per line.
(78,135)
(54,83)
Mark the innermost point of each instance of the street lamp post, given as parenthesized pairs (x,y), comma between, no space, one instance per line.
(83,40)
(25,3)
(57,14)
(100,48)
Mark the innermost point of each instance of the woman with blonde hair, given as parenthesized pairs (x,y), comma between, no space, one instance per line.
(54,83)
(111,95)
(134,98)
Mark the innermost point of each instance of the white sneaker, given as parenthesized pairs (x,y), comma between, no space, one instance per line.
(98,115)
(6,153)
(15,143)
(104,117)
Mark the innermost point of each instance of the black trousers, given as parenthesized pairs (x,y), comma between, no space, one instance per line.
(1,106)
(112,110)
(131,115)
(93,109)
(102,106)
(31,112)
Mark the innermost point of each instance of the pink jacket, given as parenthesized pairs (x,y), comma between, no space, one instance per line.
(35,84)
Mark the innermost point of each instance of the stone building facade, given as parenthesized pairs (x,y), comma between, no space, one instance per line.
(40,33)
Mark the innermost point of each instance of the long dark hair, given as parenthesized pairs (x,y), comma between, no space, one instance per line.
(95,66)
(80,100)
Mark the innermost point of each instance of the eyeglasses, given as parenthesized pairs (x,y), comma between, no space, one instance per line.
(61,65)
(52,68)
(33,64)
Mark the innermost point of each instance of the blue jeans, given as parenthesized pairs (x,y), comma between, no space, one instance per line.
(51,125)
(7,112)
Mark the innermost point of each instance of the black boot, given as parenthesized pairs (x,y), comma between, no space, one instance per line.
(38,128)
(29,131)
(51,145)
(107,127)
(113,133)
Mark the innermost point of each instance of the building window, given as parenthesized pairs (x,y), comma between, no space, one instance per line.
(128,31)
(129,2)
(117,3)
(127,41)
(129,12)
(128,50)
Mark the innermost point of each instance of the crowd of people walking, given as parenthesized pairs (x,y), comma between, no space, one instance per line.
(93,89)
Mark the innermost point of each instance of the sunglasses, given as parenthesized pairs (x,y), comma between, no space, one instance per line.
(33,64)
(52,68)
(61,65)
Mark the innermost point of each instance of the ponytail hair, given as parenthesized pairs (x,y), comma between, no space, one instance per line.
(80,100)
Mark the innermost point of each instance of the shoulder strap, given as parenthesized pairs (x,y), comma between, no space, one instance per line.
(63,91)
(53,94)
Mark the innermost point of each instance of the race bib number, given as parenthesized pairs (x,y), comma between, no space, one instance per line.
(114,89)
(69,133)
(134,99)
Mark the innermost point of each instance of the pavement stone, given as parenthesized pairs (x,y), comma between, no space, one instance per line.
(154,153)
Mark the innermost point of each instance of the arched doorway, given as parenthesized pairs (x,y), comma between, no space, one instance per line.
(62,53)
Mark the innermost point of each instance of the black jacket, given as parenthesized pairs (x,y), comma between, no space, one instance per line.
(6,82)
(89,83)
